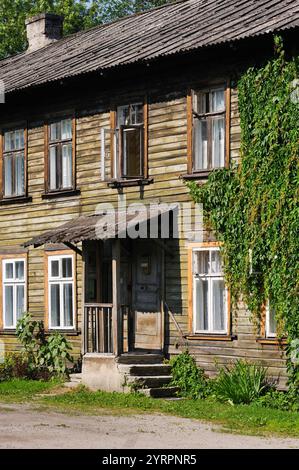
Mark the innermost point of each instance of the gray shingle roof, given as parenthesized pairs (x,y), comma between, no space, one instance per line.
(174,28)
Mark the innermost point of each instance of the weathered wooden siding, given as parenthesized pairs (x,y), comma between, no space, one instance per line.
(167,150)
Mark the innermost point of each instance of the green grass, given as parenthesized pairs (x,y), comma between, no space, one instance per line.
(244,419)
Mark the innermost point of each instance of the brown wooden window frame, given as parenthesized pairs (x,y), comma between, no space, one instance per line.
(192,172)
(227,335)
(59,142)
(4,199)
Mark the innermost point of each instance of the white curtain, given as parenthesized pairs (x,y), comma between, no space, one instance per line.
(200,144)
(201,304)
(218,302)
(55,304)
(67,165)
(218,142)
(68,304)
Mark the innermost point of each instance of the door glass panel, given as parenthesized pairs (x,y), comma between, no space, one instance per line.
(20,307)
(218,302)
(201,304)
(8,306)
(200,144)
(55,304)
(67,268)
(68,304)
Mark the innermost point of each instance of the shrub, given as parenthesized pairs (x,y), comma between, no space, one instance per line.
(285,401)
(241,383)
(190,379)
(15,365)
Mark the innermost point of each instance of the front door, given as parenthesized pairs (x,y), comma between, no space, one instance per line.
(147,297)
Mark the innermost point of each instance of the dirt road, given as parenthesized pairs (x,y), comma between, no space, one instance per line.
(25,427)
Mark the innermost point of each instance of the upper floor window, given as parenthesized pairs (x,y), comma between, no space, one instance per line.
(209,129)
(14,163)
(13,285)
(124,144)
(60,155)
(210,300)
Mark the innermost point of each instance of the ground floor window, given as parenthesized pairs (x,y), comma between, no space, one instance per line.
(61,299)
(270,321)
(14,291)
(210,297)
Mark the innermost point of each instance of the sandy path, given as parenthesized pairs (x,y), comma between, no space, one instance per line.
(23,427)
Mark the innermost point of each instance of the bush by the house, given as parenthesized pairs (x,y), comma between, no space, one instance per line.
(285,401)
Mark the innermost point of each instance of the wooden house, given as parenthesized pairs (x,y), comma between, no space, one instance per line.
(117,115)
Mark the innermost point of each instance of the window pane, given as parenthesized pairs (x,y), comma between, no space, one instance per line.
(55,304)
(67,165)
(132,152)
(19,139)
(136,114)
(123,116)
(8,189)
(200,144)
(8,306)
(217,98)
(66,129)
(54,184)
(201,262)
(8,270)
(55,131)
(201,304)
(67,268)
(19,174)
(271,322)
(218,142)
(216,266)
(7,141)
(20,307)
(219,304)
(54,268)
(68,304)
(19,266)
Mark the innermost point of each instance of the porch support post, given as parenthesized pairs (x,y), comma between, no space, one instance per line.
(116,318)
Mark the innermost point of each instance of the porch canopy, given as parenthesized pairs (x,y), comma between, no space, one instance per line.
(110,224)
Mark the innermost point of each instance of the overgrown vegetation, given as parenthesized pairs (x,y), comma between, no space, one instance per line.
(190,379)
(254,208)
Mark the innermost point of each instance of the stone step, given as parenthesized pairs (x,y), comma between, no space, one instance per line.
(149,381)
(161,392)
(140,358)
(145,369)
(76,378)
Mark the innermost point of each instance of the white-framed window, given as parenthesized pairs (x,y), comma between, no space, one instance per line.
(270,321)
(209,121)
(61,291)
(14,290)
(60,160)
(210,296)
(14,163)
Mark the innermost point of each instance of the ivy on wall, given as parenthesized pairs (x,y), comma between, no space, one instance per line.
(254,207)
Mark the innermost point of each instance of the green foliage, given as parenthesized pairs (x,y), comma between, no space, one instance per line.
(14,365)
(78,15)
(242,383)
(286,401)
(50,354)
(188,377)
(253,208)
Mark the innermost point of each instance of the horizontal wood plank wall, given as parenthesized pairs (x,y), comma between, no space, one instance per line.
(167,161)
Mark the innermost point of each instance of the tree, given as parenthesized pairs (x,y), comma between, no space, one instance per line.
(78,15)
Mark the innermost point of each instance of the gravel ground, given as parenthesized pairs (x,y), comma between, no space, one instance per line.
(23,427)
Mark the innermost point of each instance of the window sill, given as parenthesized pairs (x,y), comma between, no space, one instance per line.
(125,183)
(56,194)
(200,175)
(12,332)
(8,332)
(274,341)
(211,337)
(15,200)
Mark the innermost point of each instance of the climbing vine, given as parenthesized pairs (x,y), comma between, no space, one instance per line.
(254,207)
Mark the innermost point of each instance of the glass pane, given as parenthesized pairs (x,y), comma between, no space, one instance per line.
(7,141)
(19,275)
(55,304)
(68,304)
(217,99)
(54,184)
(219,305)
(54,268)
(20,307)
(8,270)
(55,131)
(136,114)
(201,262)
(19,139)
(271,322)
(123,116)
(218,142)
(202,102)
(66,129)
(201,304)
(67,267)
(19,174)
(200,144)
(8,306)
(8,189)
(132,152)
(216,266)
(67,165)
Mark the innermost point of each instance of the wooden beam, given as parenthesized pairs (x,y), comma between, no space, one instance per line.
(74,248)
(116,320)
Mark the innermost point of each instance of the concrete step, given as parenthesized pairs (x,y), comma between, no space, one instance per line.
(161,392)
(76,378)
(140,358)
(149,381)
(145,369)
